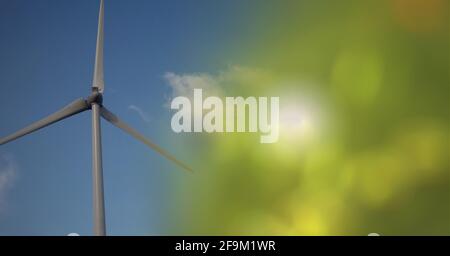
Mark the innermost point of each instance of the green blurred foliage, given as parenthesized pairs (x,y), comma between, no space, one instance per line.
(368,82)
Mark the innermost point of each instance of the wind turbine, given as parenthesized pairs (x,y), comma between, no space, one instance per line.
(94,102)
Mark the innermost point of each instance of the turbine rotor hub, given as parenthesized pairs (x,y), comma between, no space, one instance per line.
(95,97)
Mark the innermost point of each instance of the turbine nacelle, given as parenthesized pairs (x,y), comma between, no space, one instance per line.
(95,97)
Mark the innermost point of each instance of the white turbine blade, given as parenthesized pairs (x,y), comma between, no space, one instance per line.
(98,82)
(73,108)
(113,119)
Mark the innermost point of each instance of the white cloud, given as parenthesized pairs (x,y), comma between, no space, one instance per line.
(142,114)
(184,85)
(8,175)
(234,78)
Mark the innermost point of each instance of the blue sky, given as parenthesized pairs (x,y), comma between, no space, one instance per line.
(46,61)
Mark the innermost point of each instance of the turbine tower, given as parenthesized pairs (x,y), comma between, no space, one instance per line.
(94,102)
